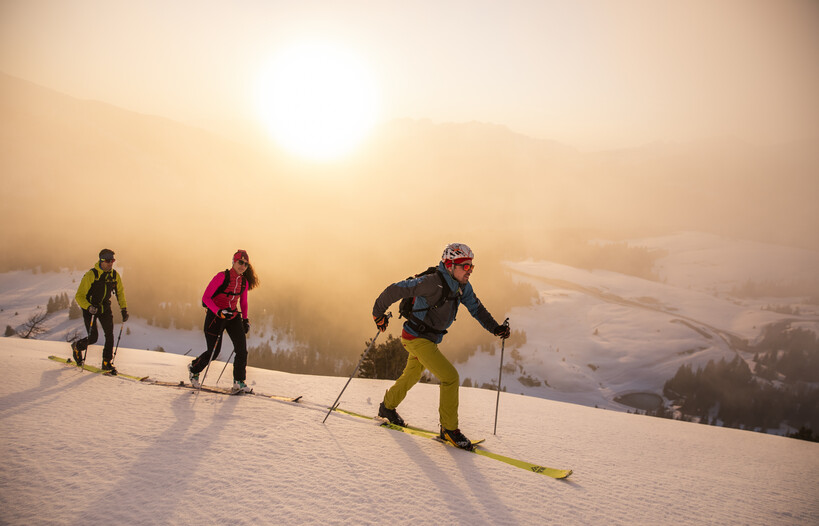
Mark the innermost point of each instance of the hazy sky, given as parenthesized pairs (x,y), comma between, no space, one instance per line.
(589,73)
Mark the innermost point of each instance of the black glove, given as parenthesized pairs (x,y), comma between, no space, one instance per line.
(92,309)
(226,314)
(381,322)
(124,315)
(246,325)
(503,331)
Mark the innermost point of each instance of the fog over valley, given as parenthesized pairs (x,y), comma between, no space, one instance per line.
(175,201)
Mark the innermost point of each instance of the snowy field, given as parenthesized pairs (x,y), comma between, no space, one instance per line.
(81,448)
(595,335)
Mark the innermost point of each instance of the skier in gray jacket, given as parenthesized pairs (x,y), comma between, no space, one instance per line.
(437,296)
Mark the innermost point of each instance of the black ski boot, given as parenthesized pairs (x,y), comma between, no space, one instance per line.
(77,354)
(108,368)
(456,438)
(391,415)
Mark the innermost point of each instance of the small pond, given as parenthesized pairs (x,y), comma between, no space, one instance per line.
(642,401)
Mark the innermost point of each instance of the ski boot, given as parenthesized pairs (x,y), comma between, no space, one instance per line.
(240,385)
(77,354)
(391,415)
(456,438)
(108,368)
(194,377)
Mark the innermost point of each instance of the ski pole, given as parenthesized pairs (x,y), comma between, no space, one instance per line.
(225,367)
(87,344)
(210,358)
(500,373)
(117,345)
(335,404)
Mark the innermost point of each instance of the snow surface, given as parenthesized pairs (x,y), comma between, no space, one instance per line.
(82,448)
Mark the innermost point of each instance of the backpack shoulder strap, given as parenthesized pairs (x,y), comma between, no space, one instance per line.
(445,292)
(224,284)
(412,320)
(221,288)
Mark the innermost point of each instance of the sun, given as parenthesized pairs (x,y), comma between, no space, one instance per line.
(318,101)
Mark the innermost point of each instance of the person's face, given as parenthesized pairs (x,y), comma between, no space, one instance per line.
(240,265)
(107,264)
(462,271)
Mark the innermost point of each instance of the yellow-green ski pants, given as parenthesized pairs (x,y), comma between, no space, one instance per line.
(424,354)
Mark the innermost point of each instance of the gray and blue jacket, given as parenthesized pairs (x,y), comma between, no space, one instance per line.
(427,291)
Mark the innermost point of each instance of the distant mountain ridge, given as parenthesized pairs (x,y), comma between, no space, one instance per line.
(60,142)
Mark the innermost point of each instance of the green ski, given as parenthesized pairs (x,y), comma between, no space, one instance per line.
(222,390)
(522,464)
(97,370)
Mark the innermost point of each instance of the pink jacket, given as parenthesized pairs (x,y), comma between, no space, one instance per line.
(230,297)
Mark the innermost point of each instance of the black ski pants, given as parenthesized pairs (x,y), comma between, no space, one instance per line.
(214,327)
(106,319)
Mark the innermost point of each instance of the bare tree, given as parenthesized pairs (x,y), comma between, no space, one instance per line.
(72,336)
(34,326)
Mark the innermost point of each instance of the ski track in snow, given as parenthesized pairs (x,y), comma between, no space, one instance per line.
(81,448)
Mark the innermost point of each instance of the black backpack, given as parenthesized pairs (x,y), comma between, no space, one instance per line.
(223,286)
(406,310)
(97,291)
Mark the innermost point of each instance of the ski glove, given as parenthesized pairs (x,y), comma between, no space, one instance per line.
(226,314)
(92,309)
(503,331)
(381,322)
(246,325)
(124,315)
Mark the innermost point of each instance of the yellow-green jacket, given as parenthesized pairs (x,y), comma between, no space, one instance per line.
(96,288)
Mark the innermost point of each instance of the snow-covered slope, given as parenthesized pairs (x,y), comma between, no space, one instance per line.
(594,335)
(81,448)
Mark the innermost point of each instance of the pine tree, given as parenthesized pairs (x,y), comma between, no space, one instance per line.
(74,311)
(386,361)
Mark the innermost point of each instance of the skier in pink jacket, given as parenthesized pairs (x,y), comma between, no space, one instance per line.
(226,301)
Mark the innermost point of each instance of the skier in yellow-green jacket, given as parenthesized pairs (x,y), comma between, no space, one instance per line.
(94,298)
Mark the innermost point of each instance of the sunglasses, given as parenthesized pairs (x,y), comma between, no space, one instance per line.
(108,260)
(242,262)
(466,266)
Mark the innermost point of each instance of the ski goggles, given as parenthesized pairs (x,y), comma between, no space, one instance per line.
(108,260)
